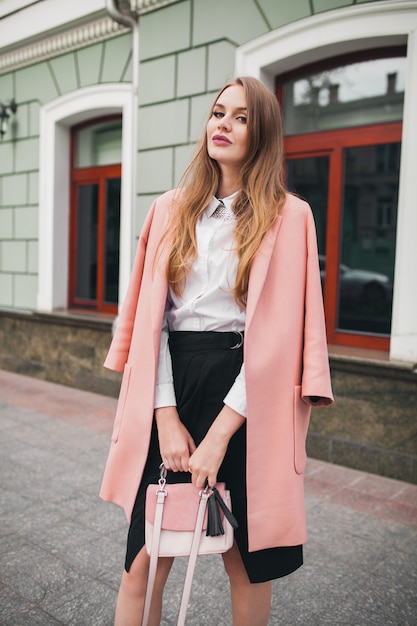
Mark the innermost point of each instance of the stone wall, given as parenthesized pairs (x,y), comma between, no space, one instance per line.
(69,350)
(371,427)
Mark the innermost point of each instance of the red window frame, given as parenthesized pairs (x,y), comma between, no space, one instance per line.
(83,176)
(331,143)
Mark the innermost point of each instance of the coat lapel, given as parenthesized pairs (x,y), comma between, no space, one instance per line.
(259,269)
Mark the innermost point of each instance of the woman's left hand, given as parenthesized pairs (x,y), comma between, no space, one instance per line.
(205,462)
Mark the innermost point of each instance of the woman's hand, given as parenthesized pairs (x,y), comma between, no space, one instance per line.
(206,460)
(175,442)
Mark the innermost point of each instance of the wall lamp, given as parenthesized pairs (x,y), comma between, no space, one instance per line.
(4,116)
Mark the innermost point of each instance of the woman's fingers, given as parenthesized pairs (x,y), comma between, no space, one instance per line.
(175,442)
(176,463)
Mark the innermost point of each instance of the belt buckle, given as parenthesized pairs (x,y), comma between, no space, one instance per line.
(240,341)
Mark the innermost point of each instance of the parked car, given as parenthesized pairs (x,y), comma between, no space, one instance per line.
(363,288)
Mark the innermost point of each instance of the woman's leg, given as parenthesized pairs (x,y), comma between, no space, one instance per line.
(251,602)
(131,598)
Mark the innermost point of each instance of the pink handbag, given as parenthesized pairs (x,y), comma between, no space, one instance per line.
(181,520)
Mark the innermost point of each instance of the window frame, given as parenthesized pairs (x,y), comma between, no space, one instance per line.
(84,176)
(331,143)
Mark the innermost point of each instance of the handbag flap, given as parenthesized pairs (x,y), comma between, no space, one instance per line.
(180,506)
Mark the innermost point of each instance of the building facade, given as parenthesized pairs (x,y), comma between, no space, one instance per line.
(102,103)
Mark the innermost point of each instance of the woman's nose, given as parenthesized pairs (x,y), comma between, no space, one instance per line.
(224,123)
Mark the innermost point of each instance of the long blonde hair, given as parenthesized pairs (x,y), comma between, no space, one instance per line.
(258,202)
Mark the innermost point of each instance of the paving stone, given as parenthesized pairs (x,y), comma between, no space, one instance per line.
(62,548)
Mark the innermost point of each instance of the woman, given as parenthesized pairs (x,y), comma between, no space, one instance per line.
(223,347)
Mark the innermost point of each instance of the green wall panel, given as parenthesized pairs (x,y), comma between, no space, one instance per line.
(165,32)
(89,64)
(191,72)
(35,83)
(163,124)
(19,124)
(235,20)
(200,110)
(26,223)
(65,71)
(27,155)
(6,289)
(143,204)
(32,251)
(33,188)
(327,5)
(157,80)
(25,290)
(33,118)
(6,87)
(6,224)
(280,12)
(221,64)
(182,157)
(14,190)
(154,170)
(6,157)
(116,54)
(13,256)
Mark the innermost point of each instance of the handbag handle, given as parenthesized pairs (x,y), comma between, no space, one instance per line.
(204,495)
(161,495)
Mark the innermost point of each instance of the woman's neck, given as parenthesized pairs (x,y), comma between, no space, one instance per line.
(227,185)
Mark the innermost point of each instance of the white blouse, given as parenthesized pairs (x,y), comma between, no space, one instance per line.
(207,302)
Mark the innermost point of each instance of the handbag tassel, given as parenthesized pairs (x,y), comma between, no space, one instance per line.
(214,522)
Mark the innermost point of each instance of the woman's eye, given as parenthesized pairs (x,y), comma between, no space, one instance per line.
(242,119)
(218,114)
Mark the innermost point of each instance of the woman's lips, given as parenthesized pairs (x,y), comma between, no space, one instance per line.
(221,140)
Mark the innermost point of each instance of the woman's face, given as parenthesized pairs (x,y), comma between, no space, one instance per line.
(227,131)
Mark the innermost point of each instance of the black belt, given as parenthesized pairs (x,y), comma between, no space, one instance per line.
(205,340)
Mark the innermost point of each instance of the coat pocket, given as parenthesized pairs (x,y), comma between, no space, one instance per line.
(121,402)
(302,412)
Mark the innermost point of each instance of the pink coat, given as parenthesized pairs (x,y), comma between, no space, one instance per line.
(286,361)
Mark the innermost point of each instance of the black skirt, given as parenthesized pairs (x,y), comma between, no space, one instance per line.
(205,365)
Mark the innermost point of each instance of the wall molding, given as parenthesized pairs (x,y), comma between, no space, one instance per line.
(35,47)
(60,43)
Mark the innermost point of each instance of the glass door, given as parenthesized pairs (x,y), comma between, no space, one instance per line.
(111,241)
(368,233)
(353,192)
(87,236)
(342,125)
(95,215)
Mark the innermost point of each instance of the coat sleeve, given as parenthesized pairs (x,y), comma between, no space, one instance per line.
(316,380)
(119,348)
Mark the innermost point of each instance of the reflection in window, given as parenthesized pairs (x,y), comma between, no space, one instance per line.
(368,92)
(86,262)
(370,194)
(98,144)
(309,178)
(111,244)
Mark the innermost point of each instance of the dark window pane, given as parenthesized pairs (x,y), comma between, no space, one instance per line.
(112,235)
(86,262)
(309,178)
(370,196)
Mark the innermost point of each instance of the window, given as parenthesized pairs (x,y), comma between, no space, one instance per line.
(342,142)
(95,215)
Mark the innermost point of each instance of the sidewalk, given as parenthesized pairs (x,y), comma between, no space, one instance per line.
(62,549)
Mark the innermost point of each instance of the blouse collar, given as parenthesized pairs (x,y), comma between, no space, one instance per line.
(214,203)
